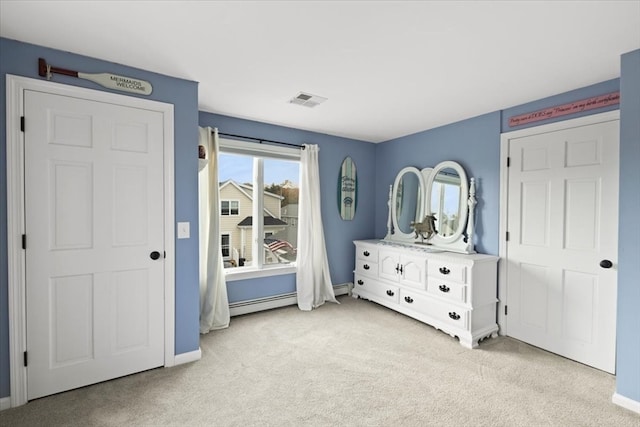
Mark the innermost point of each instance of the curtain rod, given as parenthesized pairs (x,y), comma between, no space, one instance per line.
(261,140)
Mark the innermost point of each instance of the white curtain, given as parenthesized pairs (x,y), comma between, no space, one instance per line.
(214,304)
(313,280)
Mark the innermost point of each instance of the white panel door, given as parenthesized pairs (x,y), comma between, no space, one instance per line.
(94,213)
(562,222)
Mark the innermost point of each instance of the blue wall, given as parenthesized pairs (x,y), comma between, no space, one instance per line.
(338,234)
(474,143)
(22,59)
(628,362)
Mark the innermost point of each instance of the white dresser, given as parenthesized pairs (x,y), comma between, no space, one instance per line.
(455,293)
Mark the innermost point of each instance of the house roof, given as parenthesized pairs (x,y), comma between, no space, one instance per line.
(247,189)
(268,221)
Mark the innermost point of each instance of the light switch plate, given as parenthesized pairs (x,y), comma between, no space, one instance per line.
(183,230)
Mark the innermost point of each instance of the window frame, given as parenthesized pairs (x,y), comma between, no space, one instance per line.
(258,152)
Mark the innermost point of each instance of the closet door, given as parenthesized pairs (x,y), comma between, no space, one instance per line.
(95,235)
(562,249)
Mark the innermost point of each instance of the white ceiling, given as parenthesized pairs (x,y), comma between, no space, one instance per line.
(388,69)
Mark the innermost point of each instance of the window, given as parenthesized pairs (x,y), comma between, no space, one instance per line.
(258,181)
(225,242)
(229,207)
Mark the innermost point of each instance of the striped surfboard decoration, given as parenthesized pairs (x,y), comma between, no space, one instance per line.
(347,189)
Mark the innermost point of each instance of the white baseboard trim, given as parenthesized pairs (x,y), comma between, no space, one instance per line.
(626,403)
(277,301)
(189,357)
(5,403)
(343,289)
(255,305)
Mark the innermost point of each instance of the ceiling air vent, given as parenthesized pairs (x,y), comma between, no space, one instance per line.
(307,100)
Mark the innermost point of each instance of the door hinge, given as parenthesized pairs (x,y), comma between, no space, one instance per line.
(22,123)
(24,241)
(508,161)
(25,359)
(505,310)
(506,236)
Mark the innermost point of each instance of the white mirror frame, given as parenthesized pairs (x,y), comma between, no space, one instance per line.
(456,241)
(393,230)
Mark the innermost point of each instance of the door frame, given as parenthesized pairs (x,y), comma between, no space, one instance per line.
(505,139)
(16,85)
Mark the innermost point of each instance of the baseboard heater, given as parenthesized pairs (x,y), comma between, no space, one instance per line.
(276,301)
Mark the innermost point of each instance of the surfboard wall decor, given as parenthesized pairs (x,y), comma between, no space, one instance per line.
(347,189)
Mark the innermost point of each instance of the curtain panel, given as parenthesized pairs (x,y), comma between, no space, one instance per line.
(313,279)
(214,303)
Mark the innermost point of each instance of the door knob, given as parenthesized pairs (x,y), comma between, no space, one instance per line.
(605,263)
(154,255)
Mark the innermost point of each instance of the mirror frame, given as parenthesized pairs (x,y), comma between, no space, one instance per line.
(393,230)
(458,241)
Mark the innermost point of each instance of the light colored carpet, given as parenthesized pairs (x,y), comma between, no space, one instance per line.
(353,364)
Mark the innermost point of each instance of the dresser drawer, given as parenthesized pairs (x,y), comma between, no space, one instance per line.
(367,253)
(371,286)
(453,315)
(447,270)
(447,313)
(452,291)
(367,267)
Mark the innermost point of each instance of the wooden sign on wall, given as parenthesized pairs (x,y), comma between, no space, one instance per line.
(612,98)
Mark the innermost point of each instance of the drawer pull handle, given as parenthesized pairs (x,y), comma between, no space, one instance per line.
(408,299)
(366,266)
(397,268)
(360,282)
(366,253)
(454,315)
(444,270)
(390,293)
(444,288)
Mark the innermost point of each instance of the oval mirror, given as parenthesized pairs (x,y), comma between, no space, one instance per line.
(407,199)
(447,194)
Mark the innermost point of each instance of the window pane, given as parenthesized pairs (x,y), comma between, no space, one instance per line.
(280,210)
(236,175)
(278,218)
(225,243)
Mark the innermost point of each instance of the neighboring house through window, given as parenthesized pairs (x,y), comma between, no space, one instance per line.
(258,180)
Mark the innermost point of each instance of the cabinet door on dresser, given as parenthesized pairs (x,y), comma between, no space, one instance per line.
(413,271)
(406,269)
(388,262)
